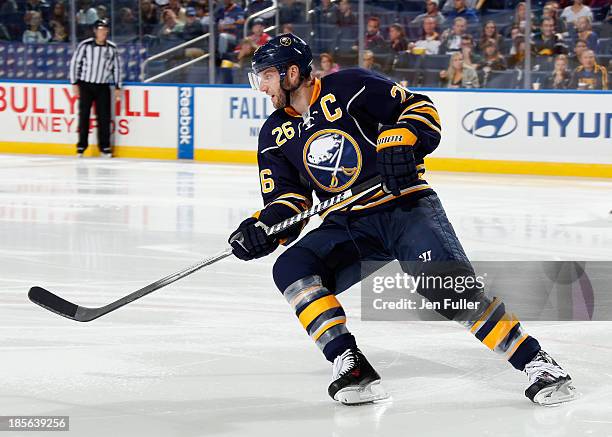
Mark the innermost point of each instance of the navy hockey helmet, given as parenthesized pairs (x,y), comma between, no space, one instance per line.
(281,52)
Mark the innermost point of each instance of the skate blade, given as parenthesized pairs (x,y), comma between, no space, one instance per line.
(356,395)
(557,394)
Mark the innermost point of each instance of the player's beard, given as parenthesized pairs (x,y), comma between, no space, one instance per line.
(280,100)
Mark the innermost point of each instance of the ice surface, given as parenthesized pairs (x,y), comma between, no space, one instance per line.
(220,353)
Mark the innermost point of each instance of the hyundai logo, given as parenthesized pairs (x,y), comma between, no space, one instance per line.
(489,122)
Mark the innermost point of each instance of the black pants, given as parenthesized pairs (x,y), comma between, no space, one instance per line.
(101,95)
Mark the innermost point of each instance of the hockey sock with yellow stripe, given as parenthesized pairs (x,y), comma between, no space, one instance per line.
(501,332)
(321,315)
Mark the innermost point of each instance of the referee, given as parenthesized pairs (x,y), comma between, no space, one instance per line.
(94,66)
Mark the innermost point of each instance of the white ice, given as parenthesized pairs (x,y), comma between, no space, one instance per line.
(221,354)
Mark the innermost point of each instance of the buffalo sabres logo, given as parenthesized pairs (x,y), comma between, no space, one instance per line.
(333,159)
(285,41)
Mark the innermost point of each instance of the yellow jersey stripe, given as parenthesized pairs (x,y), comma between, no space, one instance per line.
(328,325)
(425,113)
(429,110)
(296,196)
(316,308)
(485,316)
(422,120)
(415,105)
(500,331)
(286,203)
(391,197)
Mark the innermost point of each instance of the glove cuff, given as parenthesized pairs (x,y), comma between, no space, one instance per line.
(396,136)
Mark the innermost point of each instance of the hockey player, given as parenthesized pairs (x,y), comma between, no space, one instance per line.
(324,136)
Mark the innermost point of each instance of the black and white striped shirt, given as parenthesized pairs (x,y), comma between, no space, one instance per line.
(96,63)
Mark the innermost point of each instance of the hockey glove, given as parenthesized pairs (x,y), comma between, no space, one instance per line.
(395,158)
(250,240)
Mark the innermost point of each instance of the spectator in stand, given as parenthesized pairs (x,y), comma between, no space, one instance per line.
(489,32)
(101,12)
(429,44)
(86,15)
(451,38)
(35,33)
(578,9)
(369,63)
(193,27)
(126,29)
(171,28)
(230,18)
(492,59)
(514,34)
(326,13)
(397,38)
(291,11)
(554,4)
(517,59)
(148,16)
(201,8)
(550,12)
(59,15)
(288,28)
(470,58)
(589,75)
(520,19)
(245,54)
(258,34)
(560,77)
(374,40)
(459,75)
(547,42)
(179,10)
(59,31)
(450,5)
(327,65)
(40,6)
(584,31)
(431,7)
(346,16)
(574,59)
(461,10)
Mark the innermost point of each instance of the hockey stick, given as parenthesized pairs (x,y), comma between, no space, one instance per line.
(67,309)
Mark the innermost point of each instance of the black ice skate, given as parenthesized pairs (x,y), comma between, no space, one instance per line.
(550,384)
(354,380)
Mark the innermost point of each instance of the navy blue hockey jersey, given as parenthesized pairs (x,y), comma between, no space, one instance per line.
(333,146)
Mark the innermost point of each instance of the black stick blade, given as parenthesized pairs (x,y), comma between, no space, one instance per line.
(54,303)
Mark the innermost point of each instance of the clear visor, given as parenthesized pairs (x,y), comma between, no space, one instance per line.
(266,77)
(254,80)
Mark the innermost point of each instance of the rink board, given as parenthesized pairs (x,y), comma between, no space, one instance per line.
(521,132)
